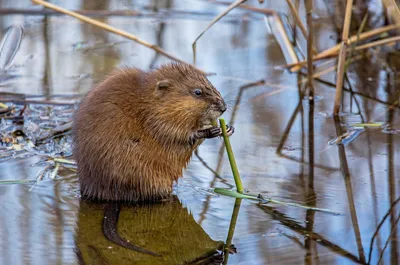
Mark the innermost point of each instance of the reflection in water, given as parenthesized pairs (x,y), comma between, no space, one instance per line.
(394,219)
(309,244)
(349,190)
(228,245)
(167,229)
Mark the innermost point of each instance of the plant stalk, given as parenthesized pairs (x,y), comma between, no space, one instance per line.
(231,157)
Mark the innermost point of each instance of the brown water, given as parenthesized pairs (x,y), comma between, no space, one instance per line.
(281,145)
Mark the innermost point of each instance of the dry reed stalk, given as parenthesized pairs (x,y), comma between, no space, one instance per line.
(107,28)
(300,24)
(333,51)
(373,44)
(316,74)
(342,57)
(320,72)
(268,12)
(381,42)
(309,10)
(287,44)
(215,20)
(392,10)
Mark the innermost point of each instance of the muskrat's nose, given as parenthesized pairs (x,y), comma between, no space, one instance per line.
(222,105)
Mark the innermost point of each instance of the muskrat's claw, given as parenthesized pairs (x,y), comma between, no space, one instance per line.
(214,132)
(206,133)
(230,130)
(232,249)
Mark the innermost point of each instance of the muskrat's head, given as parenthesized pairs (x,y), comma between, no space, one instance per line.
(185,93)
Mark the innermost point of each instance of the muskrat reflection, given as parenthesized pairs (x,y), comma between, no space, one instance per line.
(156,233)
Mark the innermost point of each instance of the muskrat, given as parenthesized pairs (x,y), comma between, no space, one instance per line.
(135,132)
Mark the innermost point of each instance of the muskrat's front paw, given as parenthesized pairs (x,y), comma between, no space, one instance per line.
(214,132)
(206,133)
(229,130)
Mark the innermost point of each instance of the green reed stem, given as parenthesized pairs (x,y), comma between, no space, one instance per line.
(231,157)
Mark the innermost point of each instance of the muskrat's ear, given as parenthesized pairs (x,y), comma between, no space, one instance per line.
(164,84)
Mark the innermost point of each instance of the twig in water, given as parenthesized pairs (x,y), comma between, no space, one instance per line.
(388,240)
(64,161)
(353,45)
(309,10)
(342,57)
(371,244)
(212,170)
(298,21)
(17,181)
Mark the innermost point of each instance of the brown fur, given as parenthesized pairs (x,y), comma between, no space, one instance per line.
(131,138)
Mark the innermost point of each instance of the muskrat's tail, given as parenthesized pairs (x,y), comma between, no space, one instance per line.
(110,221)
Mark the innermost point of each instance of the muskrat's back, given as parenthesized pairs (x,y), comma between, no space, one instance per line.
(136,131)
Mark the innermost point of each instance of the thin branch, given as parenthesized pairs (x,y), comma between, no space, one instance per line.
(298,21)
(309,10)
(335,49)
(215,20)
(371,244)
(342,57)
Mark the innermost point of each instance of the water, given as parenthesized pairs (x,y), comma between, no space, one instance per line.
(46,223)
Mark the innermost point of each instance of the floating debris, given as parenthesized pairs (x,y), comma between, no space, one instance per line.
(264,200)
(368,124)
(17,181)
(389,130)
(85,46)
(346,138)
(354,130)
(55,132)
(37,130)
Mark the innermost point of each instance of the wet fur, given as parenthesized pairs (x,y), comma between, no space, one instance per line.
(132,139)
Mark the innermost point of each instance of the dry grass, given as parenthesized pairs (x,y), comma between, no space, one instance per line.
(334,51)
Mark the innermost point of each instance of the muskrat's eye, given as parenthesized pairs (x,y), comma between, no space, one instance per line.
(197,92)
